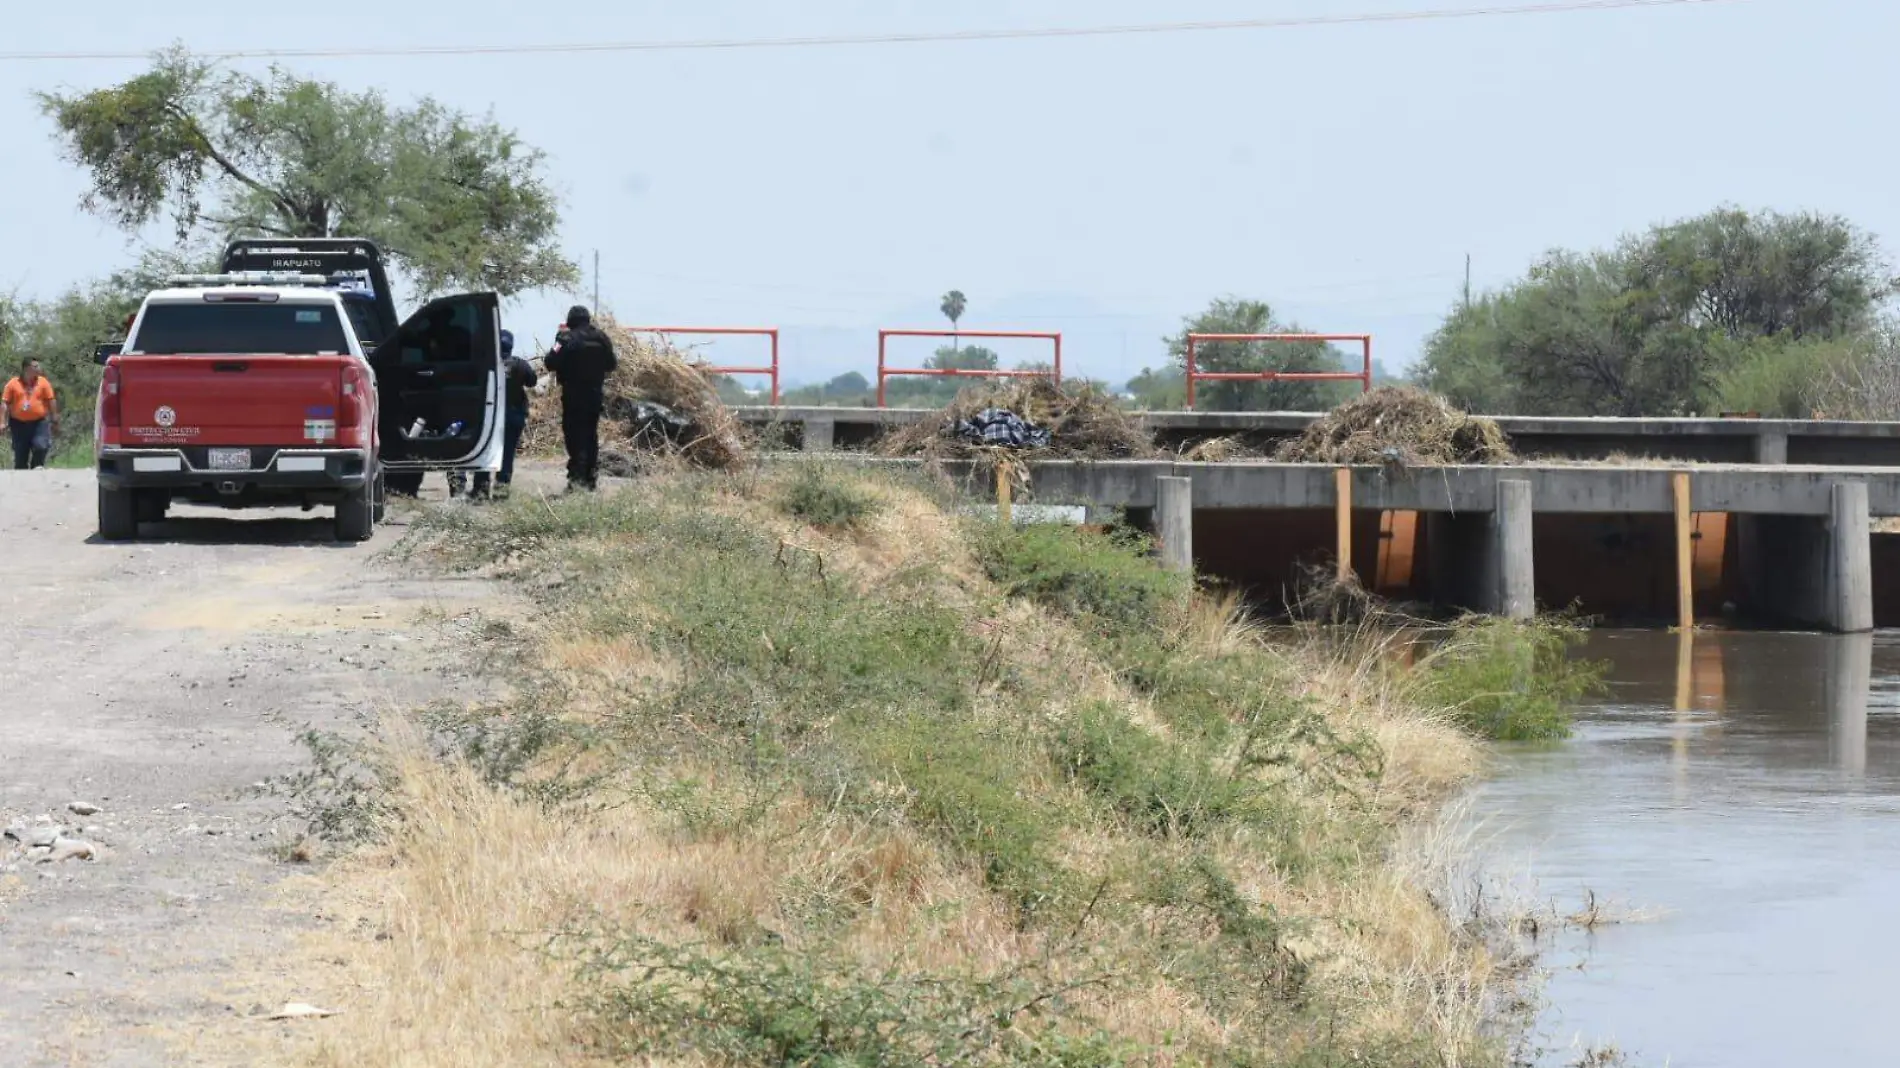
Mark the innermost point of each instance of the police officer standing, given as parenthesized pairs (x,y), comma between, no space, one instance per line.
(581,361)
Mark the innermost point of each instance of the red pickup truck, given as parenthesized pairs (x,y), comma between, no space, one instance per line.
(285,381)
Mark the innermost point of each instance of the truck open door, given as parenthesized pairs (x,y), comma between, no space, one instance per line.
(440,390)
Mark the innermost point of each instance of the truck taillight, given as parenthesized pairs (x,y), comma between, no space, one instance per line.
(353,385)
(109,406)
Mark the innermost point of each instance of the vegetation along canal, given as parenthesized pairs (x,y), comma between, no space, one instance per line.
(1740,800)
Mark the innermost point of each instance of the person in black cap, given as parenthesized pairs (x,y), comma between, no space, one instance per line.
(582,359)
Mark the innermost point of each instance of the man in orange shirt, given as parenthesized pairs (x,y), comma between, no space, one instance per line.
(31,414)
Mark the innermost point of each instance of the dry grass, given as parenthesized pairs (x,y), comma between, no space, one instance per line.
(451,929)
(1359,683)
(1399,426)
(459,929)
(446,926)
(1082,422)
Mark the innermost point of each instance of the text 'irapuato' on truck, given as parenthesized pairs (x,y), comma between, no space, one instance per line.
(287,380)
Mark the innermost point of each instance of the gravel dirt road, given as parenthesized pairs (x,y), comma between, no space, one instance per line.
(161,681)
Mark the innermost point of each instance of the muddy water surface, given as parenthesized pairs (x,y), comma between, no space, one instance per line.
(1748,788)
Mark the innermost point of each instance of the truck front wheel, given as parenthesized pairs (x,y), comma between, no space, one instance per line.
(118,515)
(356,514)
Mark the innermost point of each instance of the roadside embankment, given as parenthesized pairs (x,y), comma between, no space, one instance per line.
(798,768)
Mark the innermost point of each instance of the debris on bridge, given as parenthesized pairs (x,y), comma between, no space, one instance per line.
(1080,422)
(658,405)
(1222,450)
(1398,426)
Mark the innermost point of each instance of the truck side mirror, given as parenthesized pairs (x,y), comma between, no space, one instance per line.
(102,353)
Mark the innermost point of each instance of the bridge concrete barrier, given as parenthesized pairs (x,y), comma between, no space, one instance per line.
(1801,536)
(1717,441)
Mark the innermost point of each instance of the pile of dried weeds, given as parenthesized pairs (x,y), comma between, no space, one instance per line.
(1400,426)
(1230,449)
(1083,422)
(649,373)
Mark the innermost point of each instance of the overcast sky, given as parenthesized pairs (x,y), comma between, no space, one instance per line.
(1105,187)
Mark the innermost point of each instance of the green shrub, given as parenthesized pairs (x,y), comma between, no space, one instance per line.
(828,502)
(967,787)
(1508,681)
(345,795)
(773,1005)
(1163,787)
(1080,572)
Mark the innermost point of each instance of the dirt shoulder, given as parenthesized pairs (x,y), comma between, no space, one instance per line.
(162,681)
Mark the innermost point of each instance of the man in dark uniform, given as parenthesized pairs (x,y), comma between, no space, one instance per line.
(581,361)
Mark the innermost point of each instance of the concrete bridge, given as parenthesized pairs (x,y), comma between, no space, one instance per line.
(1788,545)
(1718,441)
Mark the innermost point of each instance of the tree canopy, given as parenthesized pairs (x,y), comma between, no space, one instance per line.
(458,202)
(973,358)
(1719,311)
(953,306)
(1230,315)
(850,389)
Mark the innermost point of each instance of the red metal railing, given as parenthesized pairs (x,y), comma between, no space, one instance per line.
(768,332)
(1194,374)
(886,372)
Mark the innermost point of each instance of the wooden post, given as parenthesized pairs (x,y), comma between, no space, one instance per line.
(1005,492)
(1685,702)
(1685,554)
(1685,671)
(1342,481)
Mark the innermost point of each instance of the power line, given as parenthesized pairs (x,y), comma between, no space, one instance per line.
(926,37)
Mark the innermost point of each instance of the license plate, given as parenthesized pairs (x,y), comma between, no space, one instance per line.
(230,459)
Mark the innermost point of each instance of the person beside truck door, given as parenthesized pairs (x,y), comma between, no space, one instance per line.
(30,411)
(581,362)
(520,379)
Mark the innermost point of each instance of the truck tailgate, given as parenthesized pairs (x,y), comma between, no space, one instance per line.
(230,400)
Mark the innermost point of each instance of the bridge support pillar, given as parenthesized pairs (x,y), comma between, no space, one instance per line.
(1850,673)
(821,435)
(1515,562)
(1812,572)
(1771,447)
(1174,520)
(1486,563)
(1850,585)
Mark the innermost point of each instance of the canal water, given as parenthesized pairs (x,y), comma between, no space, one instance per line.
(1744,789)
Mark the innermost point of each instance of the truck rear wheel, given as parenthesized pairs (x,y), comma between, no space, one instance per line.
(379,496)
(118,515)
(356,514)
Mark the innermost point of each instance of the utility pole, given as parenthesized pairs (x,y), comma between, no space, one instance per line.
(1467,280)
(597,281)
